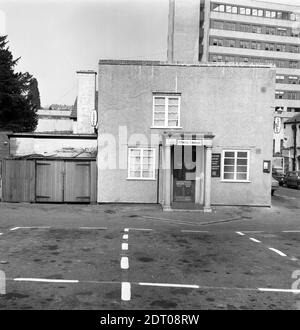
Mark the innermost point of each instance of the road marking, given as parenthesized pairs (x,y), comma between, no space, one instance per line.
(240,233)
(124,263)
(124,246)
(194,231)
(126,230)
(15,228)
(22,279)
(1,234)
(278,252)
(169,285)
(253,231)
(126,291)
(291,231)
(279,290)
(141,229)
(95,228)
(254,240)
(125,236)
(286,197)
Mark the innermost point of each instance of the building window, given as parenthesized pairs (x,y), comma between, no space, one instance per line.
(141,163)
(166,111)
(235,165)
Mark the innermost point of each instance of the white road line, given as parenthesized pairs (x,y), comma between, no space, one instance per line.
(254,240)
(253,231)
(278,252)
(22,279)
(125,236)
(240,233)
(279,290)
(141,229)
(126,291)
(124,263)
(124,246)
(291,231)
(95,228)
(15,228)
(126,230)
(194,231)
(169,285)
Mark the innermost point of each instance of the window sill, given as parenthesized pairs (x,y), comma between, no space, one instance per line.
(140,179)
(166,127)
(236,181)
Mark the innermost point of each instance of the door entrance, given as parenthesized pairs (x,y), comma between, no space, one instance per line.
(184,173)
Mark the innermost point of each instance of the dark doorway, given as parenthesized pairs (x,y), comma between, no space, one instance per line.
(184,171)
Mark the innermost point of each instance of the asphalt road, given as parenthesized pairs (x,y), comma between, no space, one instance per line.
(83,257)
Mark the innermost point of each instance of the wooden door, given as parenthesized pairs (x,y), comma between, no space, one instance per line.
(77,181)
(49,181)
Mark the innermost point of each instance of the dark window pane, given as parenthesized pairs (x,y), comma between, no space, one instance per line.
(242,154)
(242,161)
(228,176)
(229,169)
(229,154)
(228,161)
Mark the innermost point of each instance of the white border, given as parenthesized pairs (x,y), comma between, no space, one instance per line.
(166,96)
(248,165)
(129,165)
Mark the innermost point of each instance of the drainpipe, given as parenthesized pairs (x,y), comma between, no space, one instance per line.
(294,128)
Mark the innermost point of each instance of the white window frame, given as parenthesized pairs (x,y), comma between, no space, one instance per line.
(167,97)
(141,170)
(235,165)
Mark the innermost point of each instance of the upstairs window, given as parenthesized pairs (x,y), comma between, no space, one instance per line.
(166,111)
(235,165)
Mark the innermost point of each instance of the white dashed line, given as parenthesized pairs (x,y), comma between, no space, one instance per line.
(124,263)
(291,231)
(21,279)
(194,231)
(279,290)
(254,240)
(124,246)
(278,252)
(125,291)
(94,228)
(140,229)
(240,233)
(15,228)
(168,285)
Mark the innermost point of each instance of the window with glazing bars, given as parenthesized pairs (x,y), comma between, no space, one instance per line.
(141,163)
(166,111)
(235,165)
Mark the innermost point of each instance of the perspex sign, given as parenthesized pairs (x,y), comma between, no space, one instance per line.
(277,125)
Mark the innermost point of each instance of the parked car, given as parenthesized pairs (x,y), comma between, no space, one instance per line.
(292,179)
(279,176)
(275,186)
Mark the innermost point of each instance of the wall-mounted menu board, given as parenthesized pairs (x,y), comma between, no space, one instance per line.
(216,165)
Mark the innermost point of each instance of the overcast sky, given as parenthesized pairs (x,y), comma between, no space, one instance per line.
(57,38)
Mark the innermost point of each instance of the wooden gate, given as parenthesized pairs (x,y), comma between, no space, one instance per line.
(49,180)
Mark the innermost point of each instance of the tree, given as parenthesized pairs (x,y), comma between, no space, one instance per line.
(34,94)
(17,108)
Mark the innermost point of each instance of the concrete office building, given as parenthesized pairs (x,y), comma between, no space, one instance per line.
(185,135)
(259,32)
(245,31)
